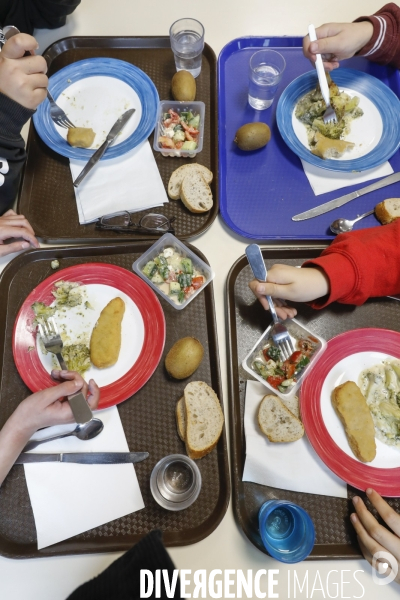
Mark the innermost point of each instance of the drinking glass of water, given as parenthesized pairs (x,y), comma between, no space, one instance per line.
(266,70)
(286,530)
(187,43)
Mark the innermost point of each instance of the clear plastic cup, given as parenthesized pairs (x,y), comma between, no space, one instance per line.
(265,72)
(187,43)
(286,530)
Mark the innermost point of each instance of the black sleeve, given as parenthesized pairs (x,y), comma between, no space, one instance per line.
(12,149)
(28,15)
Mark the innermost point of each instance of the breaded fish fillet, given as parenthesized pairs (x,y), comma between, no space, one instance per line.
(355,415)
(105,342)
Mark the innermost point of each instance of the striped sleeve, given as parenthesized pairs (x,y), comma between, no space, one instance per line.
(384,46)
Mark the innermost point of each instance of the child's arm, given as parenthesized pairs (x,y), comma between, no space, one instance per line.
(43,409)
(30,14)
(356,266)
(23,84)
(376,37)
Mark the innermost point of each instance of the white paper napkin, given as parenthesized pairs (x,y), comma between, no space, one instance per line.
(293,466)
(130,182)
(323,181)
(68,499)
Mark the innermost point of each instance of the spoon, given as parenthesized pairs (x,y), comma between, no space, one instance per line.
(344,225)
(83,431)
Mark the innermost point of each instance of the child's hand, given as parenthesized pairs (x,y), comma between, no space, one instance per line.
(337,41)
(373,537)
(50,406)
(16,226)
(23,78)
(290,283)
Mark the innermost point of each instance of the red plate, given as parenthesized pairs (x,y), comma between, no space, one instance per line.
(385,481)
(28,363)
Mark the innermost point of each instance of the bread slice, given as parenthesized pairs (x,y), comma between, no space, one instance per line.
(388,210)
(353,411)
(292,403)
(181,418)
(204,419)
(196,194)
(175,181)
(277,422)
(326,148)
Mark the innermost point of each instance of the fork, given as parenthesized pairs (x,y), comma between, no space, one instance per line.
(279,332)
(57,114)
(53,343)
(330,115)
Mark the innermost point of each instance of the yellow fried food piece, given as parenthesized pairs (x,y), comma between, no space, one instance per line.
(80,137)
(355,415)
(105,342)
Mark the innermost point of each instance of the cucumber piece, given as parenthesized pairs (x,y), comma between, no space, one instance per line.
(150,269)
(181,296)
(195,122)
(189,146)
(190,115)
(185,280)
(161,261)
(179,136)
(157,278)
(174,287)
(187,266)
(164,272)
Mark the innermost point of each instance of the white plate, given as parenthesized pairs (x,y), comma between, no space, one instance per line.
(80,321)
(97,102)
(349,369)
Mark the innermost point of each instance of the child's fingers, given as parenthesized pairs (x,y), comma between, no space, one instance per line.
(7,249)
(17,45)
(94,394)
(374,536)
(390,516)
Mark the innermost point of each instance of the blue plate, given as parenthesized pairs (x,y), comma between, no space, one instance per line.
(109,67)
(377,92)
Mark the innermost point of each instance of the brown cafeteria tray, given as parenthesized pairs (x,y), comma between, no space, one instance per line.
(246,321)
(148,418)
(47,195)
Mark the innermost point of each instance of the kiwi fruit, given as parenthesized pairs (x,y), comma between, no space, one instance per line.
(183,86)
(184,358)
(252,136)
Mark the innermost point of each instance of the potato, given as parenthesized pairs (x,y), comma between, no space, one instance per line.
(183,86)
(252,136)
(80,137)
(184,358)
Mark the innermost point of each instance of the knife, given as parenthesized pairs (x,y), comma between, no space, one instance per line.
(323,208)
(115,130)
(84,458)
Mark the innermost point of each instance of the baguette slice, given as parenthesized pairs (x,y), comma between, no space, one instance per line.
(388,210)
(327,148)
(196,194)
(277,422)
(175,181)
(181,418)
(353,411)
(293,405)
(204,419)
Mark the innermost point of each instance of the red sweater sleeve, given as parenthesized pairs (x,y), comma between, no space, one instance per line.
(384,46)
(361,264)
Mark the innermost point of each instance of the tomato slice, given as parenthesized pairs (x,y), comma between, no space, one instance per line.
(289,369)
(295,357)
(197,282)
(275,380)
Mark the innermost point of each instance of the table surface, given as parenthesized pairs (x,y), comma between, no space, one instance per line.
(226,548)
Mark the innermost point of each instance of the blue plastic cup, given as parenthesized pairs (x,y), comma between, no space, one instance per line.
(286,530)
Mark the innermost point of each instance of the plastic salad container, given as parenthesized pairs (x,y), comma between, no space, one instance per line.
(265,363)
(173,271)
(177,131)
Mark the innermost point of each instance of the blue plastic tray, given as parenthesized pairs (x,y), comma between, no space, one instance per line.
(260,191)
